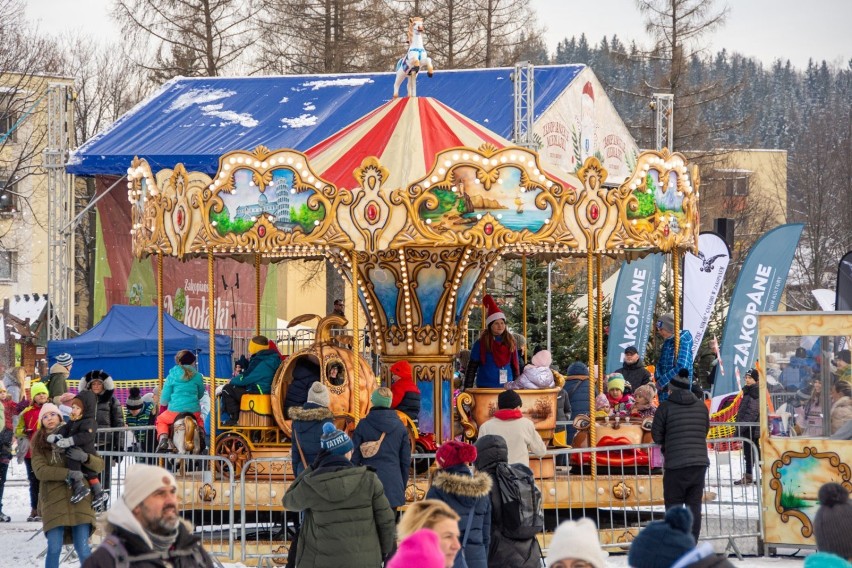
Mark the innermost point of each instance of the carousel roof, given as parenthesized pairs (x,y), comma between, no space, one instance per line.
(194,121)
(406,135)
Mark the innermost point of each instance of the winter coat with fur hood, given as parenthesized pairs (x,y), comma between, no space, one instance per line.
(186,552)
(307,429)
(841,413)
(393,460)
(462,491)
(503,550)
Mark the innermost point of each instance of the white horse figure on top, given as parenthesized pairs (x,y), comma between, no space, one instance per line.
(416,57)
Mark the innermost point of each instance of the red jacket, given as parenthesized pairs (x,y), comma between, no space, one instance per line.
(11,410)
(29,419)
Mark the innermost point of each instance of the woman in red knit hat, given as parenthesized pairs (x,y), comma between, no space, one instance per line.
(494,356)
(468,494)
(406,395)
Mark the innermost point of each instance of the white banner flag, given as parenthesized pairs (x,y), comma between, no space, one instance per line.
(702,279)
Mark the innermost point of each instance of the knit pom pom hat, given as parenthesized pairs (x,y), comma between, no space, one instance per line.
(134,401)
(615,381)
(335,441)
(319,394)
(454,453)
(662,543)
(833,519)
(576,540)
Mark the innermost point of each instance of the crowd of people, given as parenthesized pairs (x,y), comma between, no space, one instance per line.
(482,508)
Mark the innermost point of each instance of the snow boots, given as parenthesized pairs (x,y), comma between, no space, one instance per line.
(164,444)
(747,479)
(79,486)
(5,518)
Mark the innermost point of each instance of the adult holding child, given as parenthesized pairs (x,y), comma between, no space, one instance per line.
(63,522)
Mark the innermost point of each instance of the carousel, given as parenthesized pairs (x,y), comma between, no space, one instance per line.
(415,205)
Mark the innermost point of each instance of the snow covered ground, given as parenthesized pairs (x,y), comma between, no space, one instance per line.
(22,543)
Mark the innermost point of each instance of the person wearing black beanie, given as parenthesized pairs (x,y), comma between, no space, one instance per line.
(833,520)
(680,429)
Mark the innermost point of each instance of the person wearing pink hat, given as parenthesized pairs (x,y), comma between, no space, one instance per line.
(494,357)
(468,494)
(61,518)
(420,549)
(438,517)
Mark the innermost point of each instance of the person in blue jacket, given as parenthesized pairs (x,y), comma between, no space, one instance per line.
(494,357)
(256,379)
(308,421)
(182,392)
(469,495)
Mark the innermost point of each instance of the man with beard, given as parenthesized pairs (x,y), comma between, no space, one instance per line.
(144,528)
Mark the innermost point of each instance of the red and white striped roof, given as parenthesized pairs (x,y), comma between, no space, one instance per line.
(405,135)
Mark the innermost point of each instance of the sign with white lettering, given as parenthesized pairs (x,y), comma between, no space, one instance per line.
(702,278)
(633,308)
(759,287)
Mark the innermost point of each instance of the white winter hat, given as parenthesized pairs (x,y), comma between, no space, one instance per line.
(577,540)
(142,481)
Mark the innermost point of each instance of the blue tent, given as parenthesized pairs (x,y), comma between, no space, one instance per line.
(124,344)
(195,120)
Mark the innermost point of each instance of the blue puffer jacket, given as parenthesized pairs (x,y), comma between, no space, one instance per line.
(393,460)
(462,491)
(307,429)
(181,395)
(261,370)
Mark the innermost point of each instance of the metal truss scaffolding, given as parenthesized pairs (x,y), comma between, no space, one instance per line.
(524,97)
(60,200)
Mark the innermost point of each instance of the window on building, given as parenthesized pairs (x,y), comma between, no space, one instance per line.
(8,196)
(7,265)
(7,118)
(737,185)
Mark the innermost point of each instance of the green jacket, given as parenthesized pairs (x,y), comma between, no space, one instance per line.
(348,521)
(261,370)
(54,495)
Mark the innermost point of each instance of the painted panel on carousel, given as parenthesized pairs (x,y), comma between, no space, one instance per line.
(465,199)
(285,206)
(386,289)
(429,290)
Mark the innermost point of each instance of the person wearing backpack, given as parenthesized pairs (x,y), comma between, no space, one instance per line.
(382,443)
(468,495)
(516,515)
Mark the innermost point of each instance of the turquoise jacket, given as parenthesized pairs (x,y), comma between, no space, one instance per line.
(261,370)
(181,395)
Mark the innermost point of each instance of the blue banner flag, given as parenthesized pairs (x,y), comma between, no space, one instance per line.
(633,308)
(759,287)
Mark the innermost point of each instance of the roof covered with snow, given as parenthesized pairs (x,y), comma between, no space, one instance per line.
(28,307)
(195,120)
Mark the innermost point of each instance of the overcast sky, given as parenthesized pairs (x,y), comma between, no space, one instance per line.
(766,29)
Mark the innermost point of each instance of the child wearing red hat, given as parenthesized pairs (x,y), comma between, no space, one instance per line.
(406,395)
(494,357)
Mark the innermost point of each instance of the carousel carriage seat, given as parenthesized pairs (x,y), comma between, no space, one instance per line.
(256,411)
(610,432)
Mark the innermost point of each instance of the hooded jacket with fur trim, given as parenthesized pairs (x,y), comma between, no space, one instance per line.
(307,429)
(463,492)
(84,430)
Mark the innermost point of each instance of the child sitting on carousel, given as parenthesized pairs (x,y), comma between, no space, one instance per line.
(182,393)
(620,402)
(645,405)
(536,375)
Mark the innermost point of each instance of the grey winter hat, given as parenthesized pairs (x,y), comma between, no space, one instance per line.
(319,394)
(666,322)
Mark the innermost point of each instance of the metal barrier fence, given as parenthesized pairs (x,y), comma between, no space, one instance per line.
(206,486)
(621,499)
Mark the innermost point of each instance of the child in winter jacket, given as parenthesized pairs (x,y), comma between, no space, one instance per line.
(644,405)
(406,395)
(8,409)
(536,375)
(25,430)
(619,402)
(182,392)
(81,432)
(602,407)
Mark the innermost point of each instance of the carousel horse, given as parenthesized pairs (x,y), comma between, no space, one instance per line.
(409,65)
